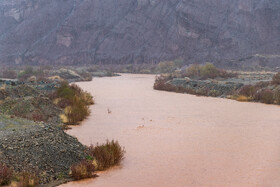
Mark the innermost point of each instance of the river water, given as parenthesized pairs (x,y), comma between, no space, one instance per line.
(177,140)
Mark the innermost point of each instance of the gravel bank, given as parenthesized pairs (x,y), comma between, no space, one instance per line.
(45,149)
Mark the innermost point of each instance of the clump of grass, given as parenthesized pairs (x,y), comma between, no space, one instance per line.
(27,179)
(242,98)
(82,170)
(107,155)
(6,174)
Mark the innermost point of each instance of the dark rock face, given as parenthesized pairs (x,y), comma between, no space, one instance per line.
(137,31)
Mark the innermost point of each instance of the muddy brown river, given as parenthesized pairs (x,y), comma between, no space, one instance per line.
(178,140)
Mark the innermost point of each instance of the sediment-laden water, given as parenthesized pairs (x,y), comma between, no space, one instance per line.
(176,139)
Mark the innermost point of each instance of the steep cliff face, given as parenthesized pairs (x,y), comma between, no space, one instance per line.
(137,31)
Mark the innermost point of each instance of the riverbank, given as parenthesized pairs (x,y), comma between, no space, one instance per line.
(34,148)
(44,150)
(33,142)
(261,87)
(19,74)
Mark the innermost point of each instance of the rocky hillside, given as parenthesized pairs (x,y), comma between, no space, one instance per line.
(226,32)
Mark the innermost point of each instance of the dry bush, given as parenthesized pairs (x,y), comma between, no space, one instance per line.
(6,174)
(87,98)
(63,103)
(82,170)
(193,71)
(83,95)
(276,79)
(265,96)
(248,91)
(27,179)
(160,84)
(107,155)
(86,75)
(277,96)
(75,102)
(242,98)
(77,111)
(207,71)
(166,67)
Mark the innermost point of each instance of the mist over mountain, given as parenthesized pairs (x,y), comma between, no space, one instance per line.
(225,32)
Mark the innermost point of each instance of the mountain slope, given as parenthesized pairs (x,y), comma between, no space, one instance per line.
(137,31)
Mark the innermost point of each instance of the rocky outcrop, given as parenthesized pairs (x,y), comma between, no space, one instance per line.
(225,32)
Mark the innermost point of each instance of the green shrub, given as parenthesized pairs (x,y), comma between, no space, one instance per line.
(77,111)
(107,155)
(209,71)
(193,71)
(166,67)
(64,91)
(75,102)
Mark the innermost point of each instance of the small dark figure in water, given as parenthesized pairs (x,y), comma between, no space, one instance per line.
(109,111)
